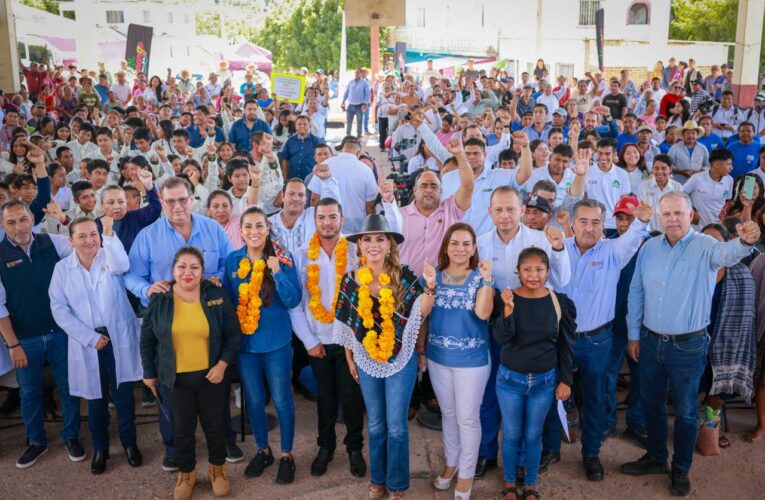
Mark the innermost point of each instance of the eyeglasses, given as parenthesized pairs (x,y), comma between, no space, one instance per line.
(179,201)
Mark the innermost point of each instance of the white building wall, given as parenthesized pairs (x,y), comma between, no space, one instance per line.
(524,30)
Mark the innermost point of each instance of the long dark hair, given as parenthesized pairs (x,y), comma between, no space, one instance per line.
(279,129)
(268,288)
(443,256)
(641,162)
(738,185)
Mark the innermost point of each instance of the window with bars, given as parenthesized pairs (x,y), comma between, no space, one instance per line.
(564,69)
(587,10)
(421,17)
(146,16)
(115,16)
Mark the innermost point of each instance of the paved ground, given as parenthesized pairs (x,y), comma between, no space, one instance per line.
(737,473)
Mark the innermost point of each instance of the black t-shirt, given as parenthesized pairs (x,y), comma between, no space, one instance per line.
(615,103)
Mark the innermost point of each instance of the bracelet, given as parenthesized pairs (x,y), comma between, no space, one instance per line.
(17,344)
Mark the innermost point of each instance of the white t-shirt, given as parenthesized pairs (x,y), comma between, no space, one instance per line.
(708,196)
(543,174)
(121,92)
(607,188)
(357,187)
(318,122)
(650,193)
(550,102)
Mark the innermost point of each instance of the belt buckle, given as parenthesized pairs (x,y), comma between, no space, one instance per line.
(665,338)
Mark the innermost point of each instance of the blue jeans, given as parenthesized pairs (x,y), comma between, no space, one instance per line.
(124,404)
(592,355)
(635,417)
(387,401)
(490,414)
(677,366)
(353,111)
(366,119)
(525,400)
(53,348)
(277,366)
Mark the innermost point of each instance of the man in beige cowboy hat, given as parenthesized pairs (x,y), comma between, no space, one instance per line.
(689,157)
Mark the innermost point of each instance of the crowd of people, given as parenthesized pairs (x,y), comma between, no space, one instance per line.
(194,236)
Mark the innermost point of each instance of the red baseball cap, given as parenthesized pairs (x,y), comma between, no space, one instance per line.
(621,206)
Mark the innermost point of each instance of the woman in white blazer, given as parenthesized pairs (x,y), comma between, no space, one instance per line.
(88,301)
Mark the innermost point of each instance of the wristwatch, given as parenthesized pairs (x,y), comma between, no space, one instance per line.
(490,282)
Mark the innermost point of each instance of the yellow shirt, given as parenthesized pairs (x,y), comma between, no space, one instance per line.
(191,337)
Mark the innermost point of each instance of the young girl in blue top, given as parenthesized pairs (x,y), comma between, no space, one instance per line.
(458,301)
(263,284)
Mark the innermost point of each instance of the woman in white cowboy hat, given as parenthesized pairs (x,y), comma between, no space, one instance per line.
(377,319)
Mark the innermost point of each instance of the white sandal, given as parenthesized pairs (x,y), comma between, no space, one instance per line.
(444,483)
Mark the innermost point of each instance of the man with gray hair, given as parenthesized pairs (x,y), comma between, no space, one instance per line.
(596,264)
(668,311)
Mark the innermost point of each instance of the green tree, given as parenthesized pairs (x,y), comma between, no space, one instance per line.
(47,6)
(709,20)
(310,35)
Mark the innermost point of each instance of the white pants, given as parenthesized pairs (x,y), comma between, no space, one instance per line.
(460,392)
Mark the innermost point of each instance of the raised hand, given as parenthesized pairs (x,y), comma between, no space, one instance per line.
(386,190)
(583,162)
(273,265)
(54,210)
(484,267)
(455,146)
(520,138)
(429,274)
(563,218)
(748,232)
(193,175)
(643,211)
(36,156)
(322,171)
(255,174)
(555,237)
(107,223)
(507,299)
(145,178)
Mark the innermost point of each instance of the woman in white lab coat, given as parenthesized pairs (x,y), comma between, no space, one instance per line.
(88,301)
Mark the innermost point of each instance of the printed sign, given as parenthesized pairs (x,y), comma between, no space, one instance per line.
(288,87)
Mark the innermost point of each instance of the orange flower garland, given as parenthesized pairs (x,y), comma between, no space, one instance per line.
(248,310)
(313,274)
(380,347)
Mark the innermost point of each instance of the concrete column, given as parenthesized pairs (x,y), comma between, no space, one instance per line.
(9,56)
(374,50)
(746,62)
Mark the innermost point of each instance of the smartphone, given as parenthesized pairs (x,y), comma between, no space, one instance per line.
(749,187)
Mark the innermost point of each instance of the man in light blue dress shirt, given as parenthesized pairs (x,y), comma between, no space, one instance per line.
(596,264)
(357,93)
(151,271)
(670,299)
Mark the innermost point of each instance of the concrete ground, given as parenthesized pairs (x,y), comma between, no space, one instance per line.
(737,473)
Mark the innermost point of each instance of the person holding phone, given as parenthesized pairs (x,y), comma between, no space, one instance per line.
(190,334)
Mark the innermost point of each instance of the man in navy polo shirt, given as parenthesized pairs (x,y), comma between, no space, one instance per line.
(29,330)
(242,129)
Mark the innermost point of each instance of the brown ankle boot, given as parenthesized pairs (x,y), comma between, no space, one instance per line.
(219,479)
(185,485)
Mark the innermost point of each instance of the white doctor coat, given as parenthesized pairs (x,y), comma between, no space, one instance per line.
(71,308)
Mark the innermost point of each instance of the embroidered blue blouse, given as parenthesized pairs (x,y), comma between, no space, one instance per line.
(457,338)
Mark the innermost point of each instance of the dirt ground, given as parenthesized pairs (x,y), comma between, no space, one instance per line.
(737,473)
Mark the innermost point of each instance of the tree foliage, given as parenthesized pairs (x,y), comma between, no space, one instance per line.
(709,20)
(310,35)
(45,5)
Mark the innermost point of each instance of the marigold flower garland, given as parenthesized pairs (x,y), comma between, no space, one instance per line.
(313,274)
(380,347)
(248,310)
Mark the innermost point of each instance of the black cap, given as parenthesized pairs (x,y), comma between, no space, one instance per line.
(539,203)
(346,139)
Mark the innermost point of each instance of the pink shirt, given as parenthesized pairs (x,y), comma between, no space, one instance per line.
(232,229)
(423,235)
